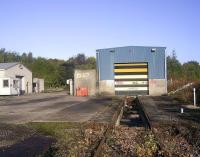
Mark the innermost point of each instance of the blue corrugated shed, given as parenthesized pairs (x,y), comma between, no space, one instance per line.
(131,54)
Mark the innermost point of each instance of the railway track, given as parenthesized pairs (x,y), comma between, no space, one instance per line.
(109,129)
(127,117)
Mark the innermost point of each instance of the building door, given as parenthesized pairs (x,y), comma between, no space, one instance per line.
(131,79)
(21,84)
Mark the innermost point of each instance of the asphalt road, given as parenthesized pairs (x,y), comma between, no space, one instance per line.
(51,107)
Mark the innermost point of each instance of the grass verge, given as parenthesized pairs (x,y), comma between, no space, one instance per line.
(73,139)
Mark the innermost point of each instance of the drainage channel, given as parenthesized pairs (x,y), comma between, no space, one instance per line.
(133,115)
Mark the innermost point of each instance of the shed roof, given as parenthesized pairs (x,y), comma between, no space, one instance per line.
(6,66)
(130,47)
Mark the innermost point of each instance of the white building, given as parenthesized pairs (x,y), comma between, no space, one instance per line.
(15,79)
(38,85)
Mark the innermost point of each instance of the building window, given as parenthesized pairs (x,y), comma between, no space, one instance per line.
(5,83)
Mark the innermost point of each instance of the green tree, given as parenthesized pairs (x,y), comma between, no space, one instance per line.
(191,70)
(30,57)
(54,71)
(174,67)
(2,52)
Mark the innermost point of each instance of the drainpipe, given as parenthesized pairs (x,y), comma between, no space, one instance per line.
(99,69)
(27,87)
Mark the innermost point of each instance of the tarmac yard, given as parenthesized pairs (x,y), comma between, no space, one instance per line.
(53,107)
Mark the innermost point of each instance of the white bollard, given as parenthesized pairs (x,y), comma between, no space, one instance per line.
(194,90)
(182,111)
(125,102)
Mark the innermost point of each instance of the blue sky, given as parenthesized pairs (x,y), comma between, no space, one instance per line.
(63,28)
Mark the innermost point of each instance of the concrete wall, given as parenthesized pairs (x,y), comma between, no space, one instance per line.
(106,87)
(39,85)
(20,70)
(87,79)
(157,87)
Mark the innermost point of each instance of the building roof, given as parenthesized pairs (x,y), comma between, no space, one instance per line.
(124,47)
(6,66)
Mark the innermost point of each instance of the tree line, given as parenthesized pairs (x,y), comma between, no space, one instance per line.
(57,71)
(189,71)
(54,71)
(180,74)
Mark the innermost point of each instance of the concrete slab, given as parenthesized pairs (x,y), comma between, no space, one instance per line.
(163,109)
(53,107)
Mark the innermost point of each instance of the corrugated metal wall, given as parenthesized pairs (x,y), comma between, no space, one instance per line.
(131,54)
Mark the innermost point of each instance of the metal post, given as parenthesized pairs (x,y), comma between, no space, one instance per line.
(194,97)
(70,83)
(71,86)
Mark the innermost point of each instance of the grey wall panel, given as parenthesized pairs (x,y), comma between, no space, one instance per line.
(106,62)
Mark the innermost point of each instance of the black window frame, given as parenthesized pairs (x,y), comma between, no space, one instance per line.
(5,86)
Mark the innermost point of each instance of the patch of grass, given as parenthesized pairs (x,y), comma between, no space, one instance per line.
(116,98)
(110,141)
(51,128)
(67,135)
(73,139)
(109,105)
